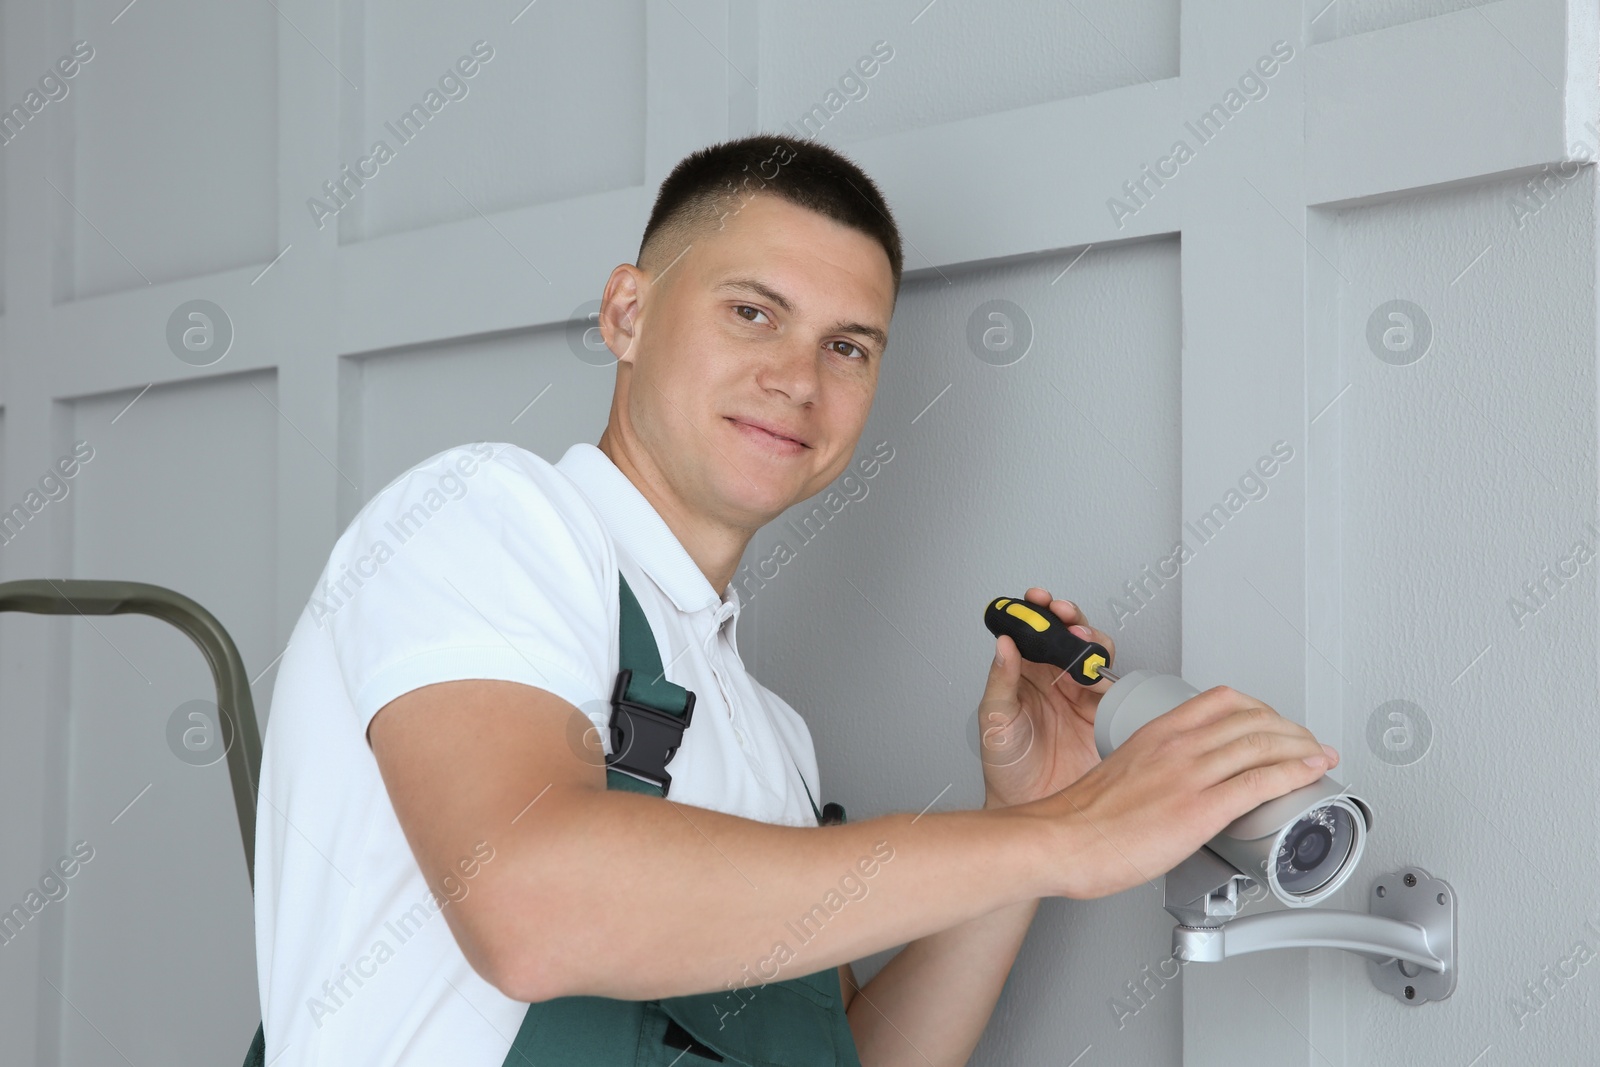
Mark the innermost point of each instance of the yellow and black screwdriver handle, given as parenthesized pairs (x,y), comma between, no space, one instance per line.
(1044,638)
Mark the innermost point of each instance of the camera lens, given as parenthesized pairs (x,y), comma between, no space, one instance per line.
(1310,847)
(1314,849)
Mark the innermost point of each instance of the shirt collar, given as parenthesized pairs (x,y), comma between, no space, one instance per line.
(640,530)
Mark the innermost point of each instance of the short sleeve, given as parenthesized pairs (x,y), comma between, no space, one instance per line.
(482,561)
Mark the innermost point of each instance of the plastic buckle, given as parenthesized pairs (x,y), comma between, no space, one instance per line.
(644,739)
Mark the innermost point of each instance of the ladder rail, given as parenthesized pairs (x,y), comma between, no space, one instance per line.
(235,706)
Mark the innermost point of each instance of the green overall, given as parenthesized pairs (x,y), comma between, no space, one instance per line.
(798,1022)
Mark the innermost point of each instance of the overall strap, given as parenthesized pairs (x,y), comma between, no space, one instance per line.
(642,681)
(648,713)
(795,1022)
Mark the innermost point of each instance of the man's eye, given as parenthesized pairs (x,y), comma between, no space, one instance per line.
(856,348)
(740,309)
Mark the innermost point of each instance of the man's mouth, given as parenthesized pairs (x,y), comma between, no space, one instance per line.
(769,432)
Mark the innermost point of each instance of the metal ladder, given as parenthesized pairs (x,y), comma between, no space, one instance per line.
(76,596)
(73,596)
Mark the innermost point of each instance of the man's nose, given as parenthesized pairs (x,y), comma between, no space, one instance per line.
(792,370)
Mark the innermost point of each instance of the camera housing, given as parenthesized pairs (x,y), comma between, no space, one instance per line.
(1303,846)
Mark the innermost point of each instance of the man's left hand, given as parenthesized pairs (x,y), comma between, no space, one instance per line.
(1036,725)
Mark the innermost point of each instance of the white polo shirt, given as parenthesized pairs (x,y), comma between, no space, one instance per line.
(483,561)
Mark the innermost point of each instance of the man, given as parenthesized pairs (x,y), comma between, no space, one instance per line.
(430,749)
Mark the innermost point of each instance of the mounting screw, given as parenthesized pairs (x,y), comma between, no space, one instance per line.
(1430,903)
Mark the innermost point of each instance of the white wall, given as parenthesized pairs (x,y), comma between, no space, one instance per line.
(1466,474)
(1059,470)
(1167,353)
(172,496)
(954,61)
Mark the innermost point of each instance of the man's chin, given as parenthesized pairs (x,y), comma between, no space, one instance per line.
(762,501)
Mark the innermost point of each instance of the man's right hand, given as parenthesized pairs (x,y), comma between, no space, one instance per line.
(554,914)
(1173,785)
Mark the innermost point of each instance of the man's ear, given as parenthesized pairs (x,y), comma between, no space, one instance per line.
(620,306)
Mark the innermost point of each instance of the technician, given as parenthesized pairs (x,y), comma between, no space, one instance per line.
(437,845)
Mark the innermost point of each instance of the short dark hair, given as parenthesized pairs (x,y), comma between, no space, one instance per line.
(708,183)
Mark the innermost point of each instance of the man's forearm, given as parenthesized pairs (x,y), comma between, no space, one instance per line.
(620,895)
(931,1002)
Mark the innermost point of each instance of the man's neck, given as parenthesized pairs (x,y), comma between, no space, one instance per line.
(716,549)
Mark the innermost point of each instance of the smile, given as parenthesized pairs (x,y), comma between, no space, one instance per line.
(770,442)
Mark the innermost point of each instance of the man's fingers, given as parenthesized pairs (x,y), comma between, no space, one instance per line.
(1069,613)
(1253,718)
(1251,788)
(1065,610)
(1211,706)
(1003,675)
(1222,734)
(1005,733)
(1261,748)
(1036,595)
(1090,633)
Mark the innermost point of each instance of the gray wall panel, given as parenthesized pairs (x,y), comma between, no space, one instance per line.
(1349,17)
(180,493)
(175,145)
(503,137)
(426,399)
(951,61)
(1059,470)
(1466,474)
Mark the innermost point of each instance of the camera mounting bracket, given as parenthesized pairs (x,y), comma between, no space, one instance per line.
(1407,935)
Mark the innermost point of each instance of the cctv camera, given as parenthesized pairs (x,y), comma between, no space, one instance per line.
(1303,845)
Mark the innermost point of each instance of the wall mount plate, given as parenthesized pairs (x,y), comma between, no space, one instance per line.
(1412,895)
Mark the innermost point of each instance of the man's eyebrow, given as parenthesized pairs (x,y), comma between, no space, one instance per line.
(767,292)
(750,285)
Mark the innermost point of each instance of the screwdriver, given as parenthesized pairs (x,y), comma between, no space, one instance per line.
(1042,637)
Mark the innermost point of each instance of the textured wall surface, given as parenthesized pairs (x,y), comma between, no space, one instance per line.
(173,166)
(1452,491)
(954,60)
(1060,470)
(1468,475)
(159,921)
(1361,16)
(524,388)
(554,80)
